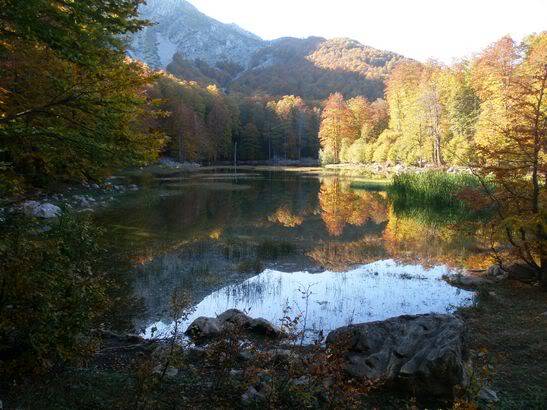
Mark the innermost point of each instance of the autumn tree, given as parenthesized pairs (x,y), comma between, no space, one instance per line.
(338,126)
(462,106)
(406,122)
(71,105)
(510,142)
(291,112)
(432,111)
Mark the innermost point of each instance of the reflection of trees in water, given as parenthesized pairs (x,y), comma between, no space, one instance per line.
(252,292)
(197,268)
(340,205)
(408,236)
(285,217)
(341,255)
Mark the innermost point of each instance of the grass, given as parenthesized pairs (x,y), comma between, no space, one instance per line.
(434,196)
(509,326)
(434,189)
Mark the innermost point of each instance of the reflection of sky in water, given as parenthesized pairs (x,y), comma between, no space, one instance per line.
(371,292)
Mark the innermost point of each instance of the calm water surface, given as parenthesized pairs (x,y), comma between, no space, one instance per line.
(332,250)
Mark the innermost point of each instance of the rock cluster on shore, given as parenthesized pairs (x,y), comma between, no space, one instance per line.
(424,354)
(84,198)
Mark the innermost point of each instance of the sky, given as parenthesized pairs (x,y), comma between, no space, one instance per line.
(445,30)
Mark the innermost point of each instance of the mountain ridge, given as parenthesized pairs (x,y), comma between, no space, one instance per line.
(194,46)
(181,27)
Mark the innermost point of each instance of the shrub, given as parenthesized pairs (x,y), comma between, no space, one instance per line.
(52,289)
(327,156)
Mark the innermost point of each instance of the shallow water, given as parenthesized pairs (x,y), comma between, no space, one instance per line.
(248,240)
(328,300)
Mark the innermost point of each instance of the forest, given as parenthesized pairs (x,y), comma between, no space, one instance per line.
(103,245)
(430,113)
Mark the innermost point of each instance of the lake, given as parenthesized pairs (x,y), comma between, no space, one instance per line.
(329,250)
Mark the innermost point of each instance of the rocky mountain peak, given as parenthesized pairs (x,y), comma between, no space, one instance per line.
(179,27)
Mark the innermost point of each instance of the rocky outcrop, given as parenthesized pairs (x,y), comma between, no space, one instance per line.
(423,353)
(233,320)
(181,28)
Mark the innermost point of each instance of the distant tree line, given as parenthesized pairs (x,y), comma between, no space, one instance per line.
(435,114)
(205,124)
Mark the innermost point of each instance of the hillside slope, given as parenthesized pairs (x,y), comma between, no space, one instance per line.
(316,67)
(195,47)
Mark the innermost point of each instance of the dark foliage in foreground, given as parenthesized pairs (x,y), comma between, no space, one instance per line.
(53,288)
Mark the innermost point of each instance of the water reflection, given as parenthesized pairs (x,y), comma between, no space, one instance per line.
(202,232)
(341,206)
(329,300)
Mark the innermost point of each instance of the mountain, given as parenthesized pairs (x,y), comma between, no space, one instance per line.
(181,28)
(315,67)
(193,46)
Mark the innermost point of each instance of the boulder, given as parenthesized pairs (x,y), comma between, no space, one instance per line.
(28,207)
(235,317)
(488,395)
(252,396)
(423,354)
(466,281)
(204,328)
(496,273)
(208,328)
(261,327)
(170,371)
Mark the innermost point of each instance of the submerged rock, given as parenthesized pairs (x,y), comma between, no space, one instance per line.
(232,320)
(422,353)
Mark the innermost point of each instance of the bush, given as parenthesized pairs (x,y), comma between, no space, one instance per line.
(358,153)
(327,156)
(52,290)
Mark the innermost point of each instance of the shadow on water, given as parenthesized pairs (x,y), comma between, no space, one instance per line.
(215,232)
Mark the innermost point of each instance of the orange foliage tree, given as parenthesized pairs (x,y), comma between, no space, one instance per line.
(510,142)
